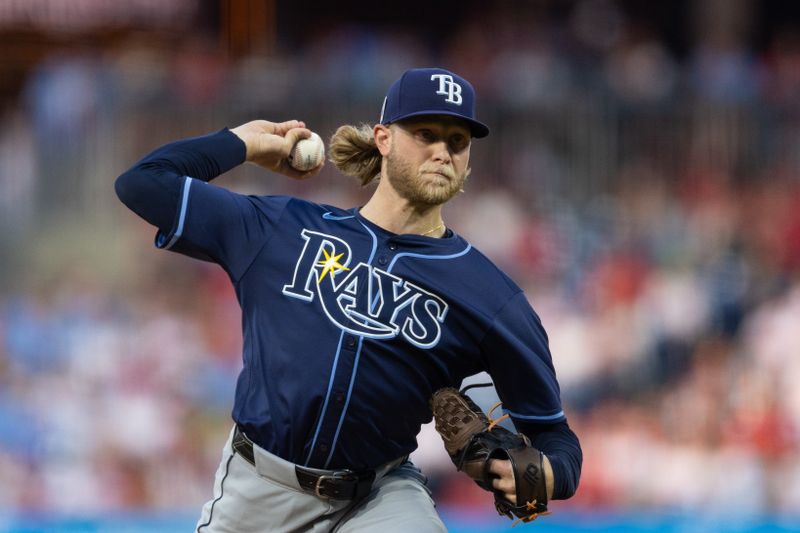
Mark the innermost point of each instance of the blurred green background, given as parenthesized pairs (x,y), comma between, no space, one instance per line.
(641,182)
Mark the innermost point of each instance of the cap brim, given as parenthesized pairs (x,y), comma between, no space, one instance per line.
(477,129)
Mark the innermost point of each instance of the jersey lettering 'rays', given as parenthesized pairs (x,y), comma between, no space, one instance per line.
(339,304)
(367,301)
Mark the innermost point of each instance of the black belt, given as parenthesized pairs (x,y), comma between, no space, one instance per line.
(333,484)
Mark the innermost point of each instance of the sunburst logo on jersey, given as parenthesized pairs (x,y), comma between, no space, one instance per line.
(330,264)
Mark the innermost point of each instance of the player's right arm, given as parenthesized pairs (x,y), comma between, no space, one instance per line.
(169,189)
(268,145)
(152,187)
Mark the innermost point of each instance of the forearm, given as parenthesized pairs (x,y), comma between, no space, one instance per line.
(203,158)
(563,454)
(151,188)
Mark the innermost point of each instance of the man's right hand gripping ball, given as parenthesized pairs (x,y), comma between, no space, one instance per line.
(472,440)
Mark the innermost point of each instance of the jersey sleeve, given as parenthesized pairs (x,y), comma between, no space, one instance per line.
(518,359)
(215,224)
(169,188)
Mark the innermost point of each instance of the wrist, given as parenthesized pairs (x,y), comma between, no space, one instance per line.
(245,140)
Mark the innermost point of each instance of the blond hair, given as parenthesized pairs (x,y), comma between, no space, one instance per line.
(354,152)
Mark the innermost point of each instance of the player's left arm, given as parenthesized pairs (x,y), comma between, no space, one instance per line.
(518,358)
(563,459)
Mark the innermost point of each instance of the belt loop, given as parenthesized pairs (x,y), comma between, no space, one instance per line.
(364,486)
(242,445)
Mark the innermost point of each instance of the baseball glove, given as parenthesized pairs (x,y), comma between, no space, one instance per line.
(471,438)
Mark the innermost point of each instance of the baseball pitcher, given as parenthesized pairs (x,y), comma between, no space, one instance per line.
(360,324)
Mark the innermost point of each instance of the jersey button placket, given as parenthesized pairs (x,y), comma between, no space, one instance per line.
(336,403)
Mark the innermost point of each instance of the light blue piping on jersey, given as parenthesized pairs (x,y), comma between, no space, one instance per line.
(182,218)
(336,362)
(421,256)
(327,398)
(347,401)
(355,363)
(556,416)
(372,255)
(424,256)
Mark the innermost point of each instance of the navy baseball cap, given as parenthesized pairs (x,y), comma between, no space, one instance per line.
(432,91)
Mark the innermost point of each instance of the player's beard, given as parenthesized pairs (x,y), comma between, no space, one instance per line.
(414,186)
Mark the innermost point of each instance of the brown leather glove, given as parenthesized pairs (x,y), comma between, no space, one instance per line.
(472,439)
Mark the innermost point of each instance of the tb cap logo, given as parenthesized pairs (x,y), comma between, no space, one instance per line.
(432,91)
(448,88)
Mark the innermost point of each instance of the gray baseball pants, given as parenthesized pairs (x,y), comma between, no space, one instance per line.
(267,498)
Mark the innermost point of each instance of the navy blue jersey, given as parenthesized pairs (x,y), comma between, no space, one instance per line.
(349,329)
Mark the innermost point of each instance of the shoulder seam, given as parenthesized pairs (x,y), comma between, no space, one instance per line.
(267,241)
(494,318)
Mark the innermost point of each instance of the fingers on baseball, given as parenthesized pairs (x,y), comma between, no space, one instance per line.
(293,135)
(282,128)
(294,131)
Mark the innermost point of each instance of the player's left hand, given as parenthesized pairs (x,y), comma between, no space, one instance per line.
(498,460)
(269,144)
(504,482)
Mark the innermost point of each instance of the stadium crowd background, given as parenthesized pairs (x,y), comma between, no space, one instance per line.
(644,188)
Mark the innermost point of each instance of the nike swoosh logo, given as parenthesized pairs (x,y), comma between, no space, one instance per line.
(330,216)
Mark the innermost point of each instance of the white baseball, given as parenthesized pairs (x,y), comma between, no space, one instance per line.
(307,153)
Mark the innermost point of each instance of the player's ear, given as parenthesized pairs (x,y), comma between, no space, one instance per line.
(383,138)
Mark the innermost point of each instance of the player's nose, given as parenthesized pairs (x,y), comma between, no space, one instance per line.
(441,152)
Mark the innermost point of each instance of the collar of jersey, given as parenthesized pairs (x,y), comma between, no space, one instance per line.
(450,241)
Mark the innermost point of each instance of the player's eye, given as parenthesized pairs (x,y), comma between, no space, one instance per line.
(426,135)
(458,143)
